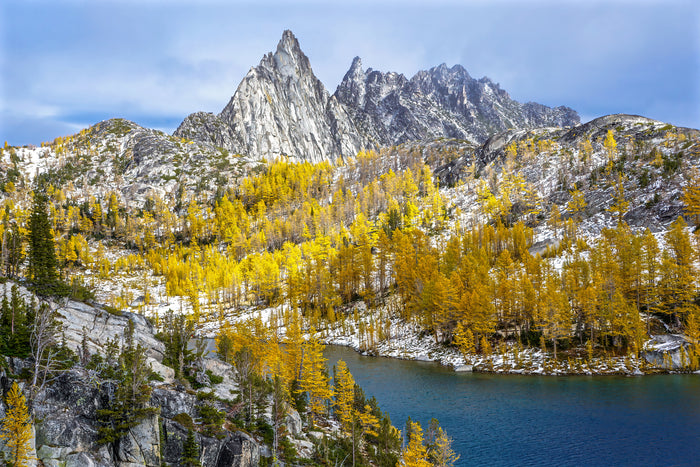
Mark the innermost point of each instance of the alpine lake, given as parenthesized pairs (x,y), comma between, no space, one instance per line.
(539,420)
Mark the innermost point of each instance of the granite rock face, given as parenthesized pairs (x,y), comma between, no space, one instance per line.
(207,128)
(668,351)
(281,108)
(236,449)
(438,103)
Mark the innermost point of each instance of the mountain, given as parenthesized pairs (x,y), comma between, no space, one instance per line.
(281,108)
(120,156)
(438,103)
(653,162)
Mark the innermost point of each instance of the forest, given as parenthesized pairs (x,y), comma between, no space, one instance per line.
(314,239)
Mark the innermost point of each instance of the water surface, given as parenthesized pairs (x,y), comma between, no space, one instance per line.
(540,420)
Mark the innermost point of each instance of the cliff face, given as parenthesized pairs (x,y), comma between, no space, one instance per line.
(66,429)
(281,109)
(438,103)
(66,410)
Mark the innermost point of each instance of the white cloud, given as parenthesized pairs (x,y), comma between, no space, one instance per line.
(75,59)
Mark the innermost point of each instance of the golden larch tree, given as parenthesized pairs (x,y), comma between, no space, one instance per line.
(415,454)
(16,428)
(314,380)
(344,395)
(691,196)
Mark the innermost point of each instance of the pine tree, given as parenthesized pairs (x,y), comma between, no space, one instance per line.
(190,451)
(42,250)
(129,401)
(16,427)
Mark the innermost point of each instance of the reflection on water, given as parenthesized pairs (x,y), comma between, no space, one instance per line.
(539,420)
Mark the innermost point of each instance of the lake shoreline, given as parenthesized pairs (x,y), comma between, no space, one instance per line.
(539,363)
(497,419)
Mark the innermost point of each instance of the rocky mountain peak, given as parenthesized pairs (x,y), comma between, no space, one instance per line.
(355,67)
(288,59)
(281,108)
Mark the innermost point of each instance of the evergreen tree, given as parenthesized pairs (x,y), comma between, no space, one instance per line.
(128,395)
(190,451)
(16,427)
(42,250)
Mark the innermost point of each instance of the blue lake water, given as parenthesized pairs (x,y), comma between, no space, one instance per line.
(540,420)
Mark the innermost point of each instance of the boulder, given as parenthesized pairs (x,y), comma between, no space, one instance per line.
(165,372)
(227,388)
(664,351)
(293,422)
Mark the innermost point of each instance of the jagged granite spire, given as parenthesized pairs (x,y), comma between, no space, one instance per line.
(282,109)
(440,102)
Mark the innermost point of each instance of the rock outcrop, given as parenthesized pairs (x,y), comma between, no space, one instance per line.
(67,430)
(281,108)
(438,103)
(66,409)
(208,128)
(668,351)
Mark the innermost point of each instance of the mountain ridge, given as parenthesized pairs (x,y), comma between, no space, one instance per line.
(281,108)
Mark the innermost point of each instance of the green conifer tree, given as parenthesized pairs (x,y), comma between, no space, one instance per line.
(128,404)
(42,250)
(190,451)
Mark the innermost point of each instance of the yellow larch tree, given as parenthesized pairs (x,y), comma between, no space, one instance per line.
(415,454)
(610,145)
(441,453)
(16,428)
(691,196)
(620,205)
(577,205)
(314,380)
(344,395)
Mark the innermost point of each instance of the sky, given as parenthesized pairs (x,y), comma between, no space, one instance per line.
(65,65)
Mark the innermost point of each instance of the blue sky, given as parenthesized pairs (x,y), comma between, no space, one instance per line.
(65,65)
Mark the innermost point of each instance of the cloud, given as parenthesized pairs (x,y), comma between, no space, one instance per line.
(158,61)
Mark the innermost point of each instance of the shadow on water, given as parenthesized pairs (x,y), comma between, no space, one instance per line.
(540,420)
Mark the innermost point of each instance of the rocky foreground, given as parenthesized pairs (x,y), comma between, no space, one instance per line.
(65,410)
